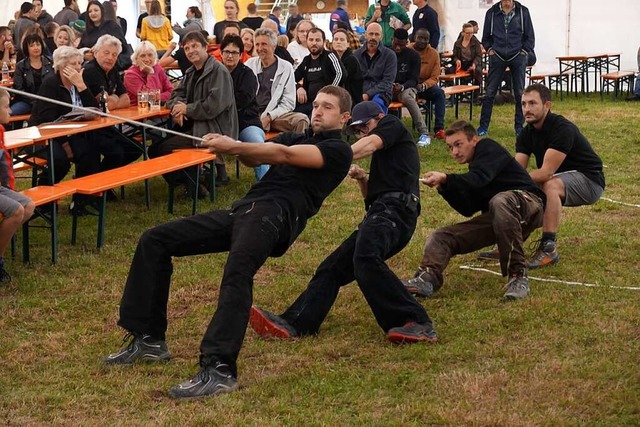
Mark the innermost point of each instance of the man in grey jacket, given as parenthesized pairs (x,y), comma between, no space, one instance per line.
(379,65)
(276,86)
(203,102)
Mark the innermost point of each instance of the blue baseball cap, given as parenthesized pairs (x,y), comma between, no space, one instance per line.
(362,113)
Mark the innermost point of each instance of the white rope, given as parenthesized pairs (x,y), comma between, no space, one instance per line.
(620,203)
(541,279)
(100,113)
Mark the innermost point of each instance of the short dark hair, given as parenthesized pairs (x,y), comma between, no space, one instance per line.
(251,8)
(543,91)
(474,23)
(25,8)
(30,39)
(41,2)
(232,39)
(196,11)
(318,30)
(461,126)
(50,28)
(67,3)
(341,3)
(195,36)
(401,34)
(344,98)
(4,29)
(231,25)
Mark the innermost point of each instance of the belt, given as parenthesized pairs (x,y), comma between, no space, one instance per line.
(411,201)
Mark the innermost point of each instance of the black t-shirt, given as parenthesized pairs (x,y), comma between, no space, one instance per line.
(315,78)
(491,171)
(218,29)
(396,167)
(562,135)
(301,191)
(140,18)
(253,22)
(408,71)
(183,61)
(95,78)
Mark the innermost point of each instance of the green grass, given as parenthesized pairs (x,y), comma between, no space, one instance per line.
(567,355)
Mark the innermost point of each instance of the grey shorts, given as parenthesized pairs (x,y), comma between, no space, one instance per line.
(10,201)
(578,189)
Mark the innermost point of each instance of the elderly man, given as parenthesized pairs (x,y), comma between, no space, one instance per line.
(306,169)
(281,51)
(509,39)
(318,69)
(511,207)
(203,103)
(378,65)
(276,87)
(103,80)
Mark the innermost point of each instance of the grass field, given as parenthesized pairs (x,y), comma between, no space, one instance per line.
(567,355)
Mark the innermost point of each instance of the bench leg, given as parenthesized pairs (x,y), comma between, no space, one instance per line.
(54,233)
(74,228)
(101,219)
(170,200)
(25,242)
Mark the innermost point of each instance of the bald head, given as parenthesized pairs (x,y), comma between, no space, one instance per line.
(373,36)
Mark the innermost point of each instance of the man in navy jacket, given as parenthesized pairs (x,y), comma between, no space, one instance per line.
(509,39)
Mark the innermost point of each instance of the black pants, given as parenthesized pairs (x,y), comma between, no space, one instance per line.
(385,231)
(250,234)
(115,148)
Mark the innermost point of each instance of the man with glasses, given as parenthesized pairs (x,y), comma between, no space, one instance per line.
(391,198)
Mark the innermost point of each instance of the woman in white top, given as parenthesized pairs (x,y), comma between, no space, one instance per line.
(298,47)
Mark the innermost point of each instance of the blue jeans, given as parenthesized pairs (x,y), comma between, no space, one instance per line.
(254,134)
(636,89)
(20,107)
(497,67)
(385,231)
(435,94)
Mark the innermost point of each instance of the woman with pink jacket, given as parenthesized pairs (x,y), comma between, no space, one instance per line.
(146,73)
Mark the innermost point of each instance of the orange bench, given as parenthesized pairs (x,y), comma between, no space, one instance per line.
(617,81)
(100,183)
(41,196)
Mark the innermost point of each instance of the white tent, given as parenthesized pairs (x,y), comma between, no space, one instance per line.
(563,27)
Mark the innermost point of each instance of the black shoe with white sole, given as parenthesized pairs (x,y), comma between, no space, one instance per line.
(211,380)
(141,348)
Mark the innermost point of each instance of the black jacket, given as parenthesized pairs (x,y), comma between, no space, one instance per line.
(353,81)
(333,72)
(45,112)
(23,77)
(491,171)
(245,87)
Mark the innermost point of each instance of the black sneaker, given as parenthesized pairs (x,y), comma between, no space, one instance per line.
(5,277)
(269,325)
(412,332)
(141,348)
(211,380)
(82,209)
(423,284)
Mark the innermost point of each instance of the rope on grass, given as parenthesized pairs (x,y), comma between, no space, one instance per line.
(100,113)
(620,203)
(542,279)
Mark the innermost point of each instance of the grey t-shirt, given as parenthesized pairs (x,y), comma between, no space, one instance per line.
(265,80)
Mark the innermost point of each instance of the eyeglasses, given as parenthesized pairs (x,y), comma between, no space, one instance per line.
(230,52)
(362,129)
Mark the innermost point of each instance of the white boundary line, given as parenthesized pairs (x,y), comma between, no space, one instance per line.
(541,279)
(620,203)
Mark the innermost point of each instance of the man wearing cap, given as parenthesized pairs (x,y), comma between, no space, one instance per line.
(391,199)
(404,87)
(511,207)
(378,65)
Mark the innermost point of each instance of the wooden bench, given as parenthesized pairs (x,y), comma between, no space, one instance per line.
(42,196)
(454,78)
(100,183)
(617,81)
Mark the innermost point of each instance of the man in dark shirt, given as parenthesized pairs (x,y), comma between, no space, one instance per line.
(426,17)
(318,69)
(305,170)
(101,75)
(568,169)
(405,86)
(511,204)
(391,198)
